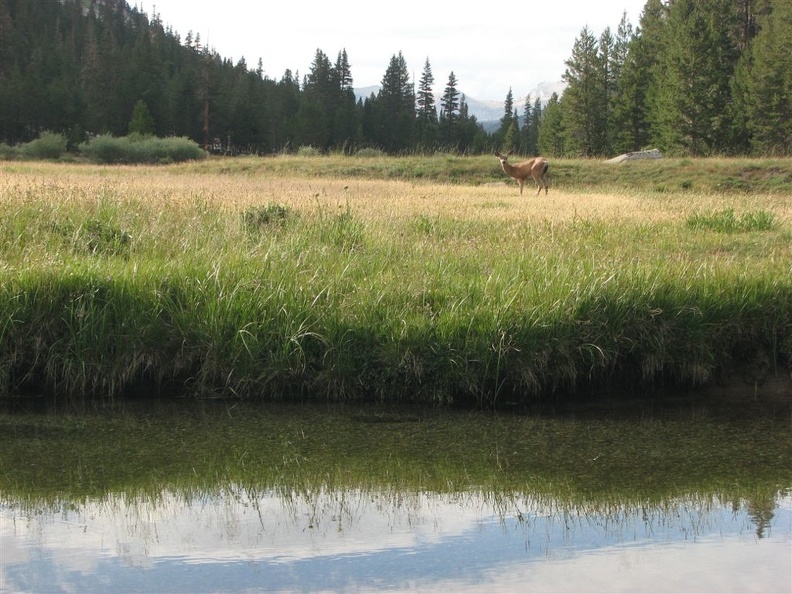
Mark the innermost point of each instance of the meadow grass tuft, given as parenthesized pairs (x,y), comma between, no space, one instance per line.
(230,278)
(726,221)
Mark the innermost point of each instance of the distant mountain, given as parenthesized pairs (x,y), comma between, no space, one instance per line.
(488,112)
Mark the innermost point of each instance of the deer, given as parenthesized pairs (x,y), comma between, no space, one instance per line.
(535,168)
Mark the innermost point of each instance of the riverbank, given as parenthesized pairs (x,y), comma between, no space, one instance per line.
(122,282)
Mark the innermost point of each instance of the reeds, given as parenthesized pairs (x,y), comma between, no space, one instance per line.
(219,282)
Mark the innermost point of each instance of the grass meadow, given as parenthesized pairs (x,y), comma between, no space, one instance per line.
(424,280)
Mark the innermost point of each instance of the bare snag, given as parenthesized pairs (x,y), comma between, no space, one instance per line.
(535,168)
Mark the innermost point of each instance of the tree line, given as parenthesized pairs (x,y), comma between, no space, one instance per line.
(696,77)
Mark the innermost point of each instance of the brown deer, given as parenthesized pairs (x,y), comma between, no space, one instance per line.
(535,168)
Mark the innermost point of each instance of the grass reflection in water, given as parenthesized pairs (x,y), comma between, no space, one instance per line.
(298,498)
(633,459)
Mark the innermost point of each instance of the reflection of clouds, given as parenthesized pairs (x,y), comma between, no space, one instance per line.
(487,540)
(724,565)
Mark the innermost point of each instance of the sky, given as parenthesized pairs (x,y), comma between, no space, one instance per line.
(490,49)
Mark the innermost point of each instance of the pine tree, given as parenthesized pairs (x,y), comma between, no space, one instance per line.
(585,99)
(469,134)
(551,131)
(426,123)
(317,104)
(450,100)
(345,124)
(696,69)
(619,124)
(449,112)
(343,71)
(508,133)
(607,66)
(639,80)
(537,115)
(769,83)
(395,107)
(527,141)
(142,122)
(427,111)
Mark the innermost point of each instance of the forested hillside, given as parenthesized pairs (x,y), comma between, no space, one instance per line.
(697,77)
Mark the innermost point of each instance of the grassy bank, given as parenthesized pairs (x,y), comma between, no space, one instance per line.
(326,278)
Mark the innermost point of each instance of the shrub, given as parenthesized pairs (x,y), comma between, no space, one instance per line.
(176,149)
(46,146)
(369,152)
(7,152)
(257,218)
(308,151)
(138,148)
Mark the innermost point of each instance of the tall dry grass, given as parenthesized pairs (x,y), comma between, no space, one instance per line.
(236,277)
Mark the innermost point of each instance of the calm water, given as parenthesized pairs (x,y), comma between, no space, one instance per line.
(239,541)
(316,500)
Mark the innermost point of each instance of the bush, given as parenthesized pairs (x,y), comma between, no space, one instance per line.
(141,149)
(369,152)
(7,152)
(308,151)
(258,218)
(46,146)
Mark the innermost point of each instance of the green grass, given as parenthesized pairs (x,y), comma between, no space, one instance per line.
(726,221)
(660,176)
(110,288)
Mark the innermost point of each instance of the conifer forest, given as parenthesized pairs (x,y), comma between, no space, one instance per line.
(691,77)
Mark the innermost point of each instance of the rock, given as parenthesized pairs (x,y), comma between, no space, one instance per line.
(648,154)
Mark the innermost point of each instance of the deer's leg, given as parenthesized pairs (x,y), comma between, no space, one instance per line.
(544,179)
(521,182)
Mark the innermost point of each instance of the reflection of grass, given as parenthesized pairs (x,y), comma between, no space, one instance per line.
(302,448)
(214,279)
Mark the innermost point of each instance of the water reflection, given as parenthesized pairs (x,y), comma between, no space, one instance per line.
(242,539)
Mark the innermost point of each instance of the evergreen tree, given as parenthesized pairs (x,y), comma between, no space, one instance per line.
(317,104)
(449,112)
(639,80)
(585,101)
(343,71)
(427,128)
(427,111)
(537,115)
(507,135)
(346,124)
(551,139)
(450,100)
(468,131)
(619,122)
(527,139)
(608,66)
(142,122)
(696,69)
(395,105)
(769,83)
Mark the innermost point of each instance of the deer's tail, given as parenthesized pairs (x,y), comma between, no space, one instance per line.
(544,169)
